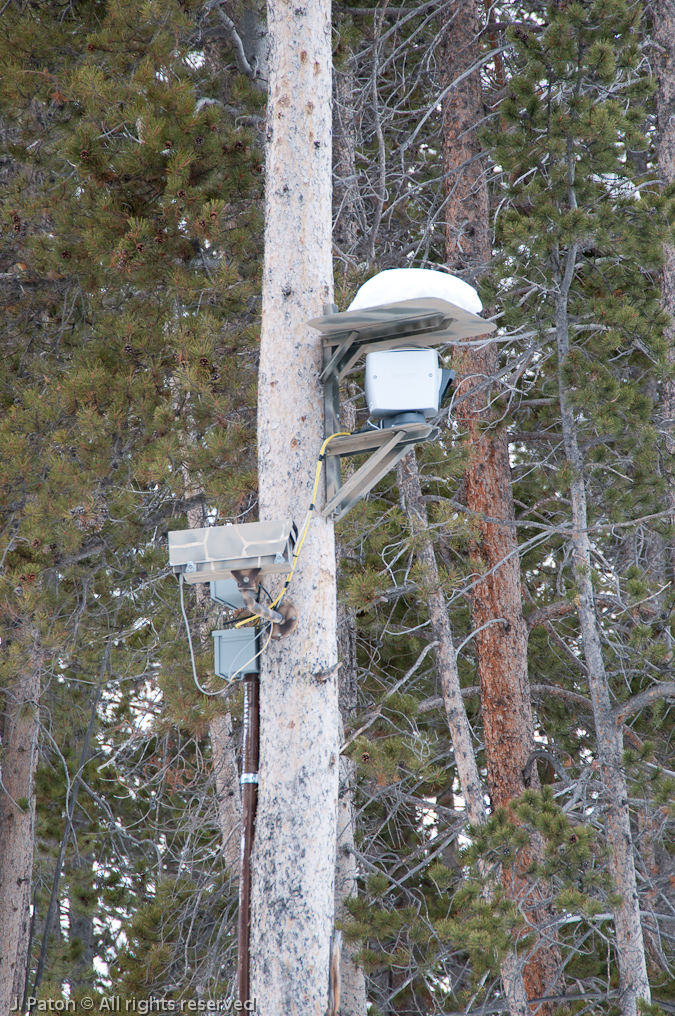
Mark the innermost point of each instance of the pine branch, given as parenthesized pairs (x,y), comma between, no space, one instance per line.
(644,698)
(243,66)
(548,757)
(538,690)
(327,675)
(378,712)
(544,614)
(565,648)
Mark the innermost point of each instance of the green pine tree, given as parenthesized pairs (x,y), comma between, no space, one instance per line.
(132,256)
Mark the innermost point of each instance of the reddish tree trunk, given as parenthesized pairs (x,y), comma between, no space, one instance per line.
(458,724)
(497,613)
(467,219)
(501,647)
(664,35)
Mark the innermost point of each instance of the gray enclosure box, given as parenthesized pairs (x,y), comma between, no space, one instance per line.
(235,653)
(226,591)
(206,555)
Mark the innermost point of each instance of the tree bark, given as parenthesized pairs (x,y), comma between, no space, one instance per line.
(455,711)
(496,605)
(20,727)
(501,648)
(294,854)
(633,980)
(467,215)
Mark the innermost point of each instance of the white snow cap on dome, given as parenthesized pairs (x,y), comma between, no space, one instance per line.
(396,284)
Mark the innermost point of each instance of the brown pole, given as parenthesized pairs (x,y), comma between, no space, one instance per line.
(249,800)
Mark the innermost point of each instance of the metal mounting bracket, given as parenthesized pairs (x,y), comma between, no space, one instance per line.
(387,447)
(349,336)
(284,618)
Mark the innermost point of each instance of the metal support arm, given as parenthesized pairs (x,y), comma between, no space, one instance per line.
(247,583)
(388,446)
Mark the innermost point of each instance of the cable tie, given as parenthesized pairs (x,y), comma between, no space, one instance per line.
(249,778)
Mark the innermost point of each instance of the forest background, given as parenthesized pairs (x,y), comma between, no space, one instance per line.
(505,598)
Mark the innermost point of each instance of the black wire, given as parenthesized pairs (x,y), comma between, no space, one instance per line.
(236,620)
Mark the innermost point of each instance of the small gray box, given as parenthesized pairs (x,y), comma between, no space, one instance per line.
(235,653)
(226,591)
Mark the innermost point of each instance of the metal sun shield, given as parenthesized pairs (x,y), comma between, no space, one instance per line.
(215,552)
(422,322)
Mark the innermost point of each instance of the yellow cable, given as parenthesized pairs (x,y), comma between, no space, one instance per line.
(308,517)
(247,620)
(305,524)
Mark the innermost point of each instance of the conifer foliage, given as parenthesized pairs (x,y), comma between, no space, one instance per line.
(573,171)
(130,262)
(130,266)
(582,238)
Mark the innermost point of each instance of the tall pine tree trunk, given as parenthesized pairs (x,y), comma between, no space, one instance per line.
(292,908)
(458,722)
(496,606)
(633,980)
(467,216)
(501,647)
(663,14)
(20,727)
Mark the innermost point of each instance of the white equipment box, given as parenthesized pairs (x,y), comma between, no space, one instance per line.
(401,381)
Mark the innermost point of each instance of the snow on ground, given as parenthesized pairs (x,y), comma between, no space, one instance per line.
(396,284)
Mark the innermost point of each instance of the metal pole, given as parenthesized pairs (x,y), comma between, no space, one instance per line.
(249,800)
